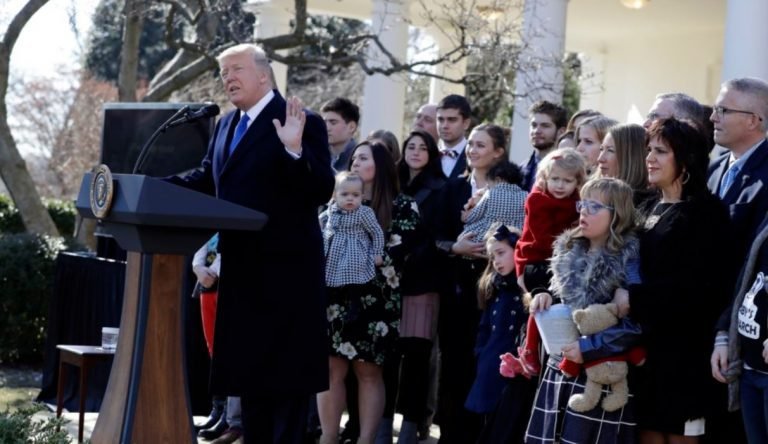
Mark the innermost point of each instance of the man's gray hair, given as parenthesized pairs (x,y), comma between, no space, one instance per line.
(686,107)
(757,90)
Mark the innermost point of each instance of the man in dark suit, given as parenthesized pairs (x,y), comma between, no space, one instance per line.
(269,155)
(453,119)
(740,175)
(548,121)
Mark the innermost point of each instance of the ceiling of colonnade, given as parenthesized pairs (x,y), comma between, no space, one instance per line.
(588,20)
(596,20)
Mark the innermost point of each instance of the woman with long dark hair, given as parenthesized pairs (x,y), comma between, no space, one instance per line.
(364,327)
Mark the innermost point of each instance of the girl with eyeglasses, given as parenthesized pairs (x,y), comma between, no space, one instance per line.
(589,263)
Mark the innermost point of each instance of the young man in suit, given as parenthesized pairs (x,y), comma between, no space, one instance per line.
(341,117)
(548,122)
(272,156)
(453,119)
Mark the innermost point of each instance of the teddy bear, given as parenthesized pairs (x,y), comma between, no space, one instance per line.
(608,371)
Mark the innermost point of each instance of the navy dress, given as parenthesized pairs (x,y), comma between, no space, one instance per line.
(505,402)
(498,332)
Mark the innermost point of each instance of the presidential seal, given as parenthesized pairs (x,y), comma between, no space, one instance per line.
(102,188)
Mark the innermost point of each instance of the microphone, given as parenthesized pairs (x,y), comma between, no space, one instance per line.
(187,115)
(203,112)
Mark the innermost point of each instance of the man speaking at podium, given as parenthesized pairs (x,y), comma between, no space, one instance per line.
(270,343)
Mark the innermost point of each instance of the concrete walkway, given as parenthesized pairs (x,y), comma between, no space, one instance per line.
(90,422)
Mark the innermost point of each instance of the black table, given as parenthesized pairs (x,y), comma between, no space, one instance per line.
(87,295)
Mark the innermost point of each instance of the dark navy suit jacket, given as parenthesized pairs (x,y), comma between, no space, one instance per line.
(747,198)
(460,166)
(270,335)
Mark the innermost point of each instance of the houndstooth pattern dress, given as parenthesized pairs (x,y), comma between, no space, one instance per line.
(352,239)
(504,202)
(364,320)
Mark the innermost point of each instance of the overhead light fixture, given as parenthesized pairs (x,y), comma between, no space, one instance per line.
(635,4)
(490,13)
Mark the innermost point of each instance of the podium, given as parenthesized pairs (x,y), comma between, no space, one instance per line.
(158,223)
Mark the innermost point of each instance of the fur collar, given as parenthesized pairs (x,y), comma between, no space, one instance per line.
(581,278)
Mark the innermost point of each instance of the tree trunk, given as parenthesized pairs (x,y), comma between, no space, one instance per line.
(129,56)
(13,169)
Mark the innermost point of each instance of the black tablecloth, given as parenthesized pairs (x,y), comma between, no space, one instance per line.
(88,295)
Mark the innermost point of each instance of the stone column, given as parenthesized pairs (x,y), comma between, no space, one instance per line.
(540,76)
(274,18)
(384,96)
(746,35)
(441,88)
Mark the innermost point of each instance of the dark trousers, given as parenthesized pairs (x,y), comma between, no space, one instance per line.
(459,317)
(414,378)
(274,419)
(507,424)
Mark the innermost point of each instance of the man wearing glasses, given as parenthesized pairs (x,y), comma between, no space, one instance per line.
(739,176)
(678,105)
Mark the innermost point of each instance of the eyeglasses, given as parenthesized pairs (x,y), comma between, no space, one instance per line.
(592,207)
(721,111)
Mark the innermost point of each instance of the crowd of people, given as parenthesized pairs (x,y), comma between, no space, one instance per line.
(419,286)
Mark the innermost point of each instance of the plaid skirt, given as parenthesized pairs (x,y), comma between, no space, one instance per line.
(552,421)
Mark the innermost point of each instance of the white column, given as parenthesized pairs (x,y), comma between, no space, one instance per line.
(384,96)
(746,35)
(440,88)
(540,76)
(274,18)
(591,81)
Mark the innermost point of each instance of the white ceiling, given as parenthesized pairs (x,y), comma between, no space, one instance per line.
(588,20)
(608,19)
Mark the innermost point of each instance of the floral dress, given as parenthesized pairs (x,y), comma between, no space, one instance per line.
(364,319)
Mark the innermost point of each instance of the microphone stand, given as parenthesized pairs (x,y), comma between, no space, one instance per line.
(145,149)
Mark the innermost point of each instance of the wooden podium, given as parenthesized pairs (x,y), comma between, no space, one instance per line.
(158,223)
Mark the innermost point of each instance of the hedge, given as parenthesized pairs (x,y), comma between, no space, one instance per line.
(27,264)
(62,212)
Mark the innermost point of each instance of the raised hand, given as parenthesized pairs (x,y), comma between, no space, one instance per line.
(290,133)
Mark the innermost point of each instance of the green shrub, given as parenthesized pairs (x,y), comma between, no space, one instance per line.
(10,219)
(62,212)
(20,428)
(27,263)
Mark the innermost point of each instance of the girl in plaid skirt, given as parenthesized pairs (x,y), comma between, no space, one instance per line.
(588,264)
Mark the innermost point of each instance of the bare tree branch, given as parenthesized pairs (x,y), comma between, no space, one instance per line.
(12,167)
(183,76)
